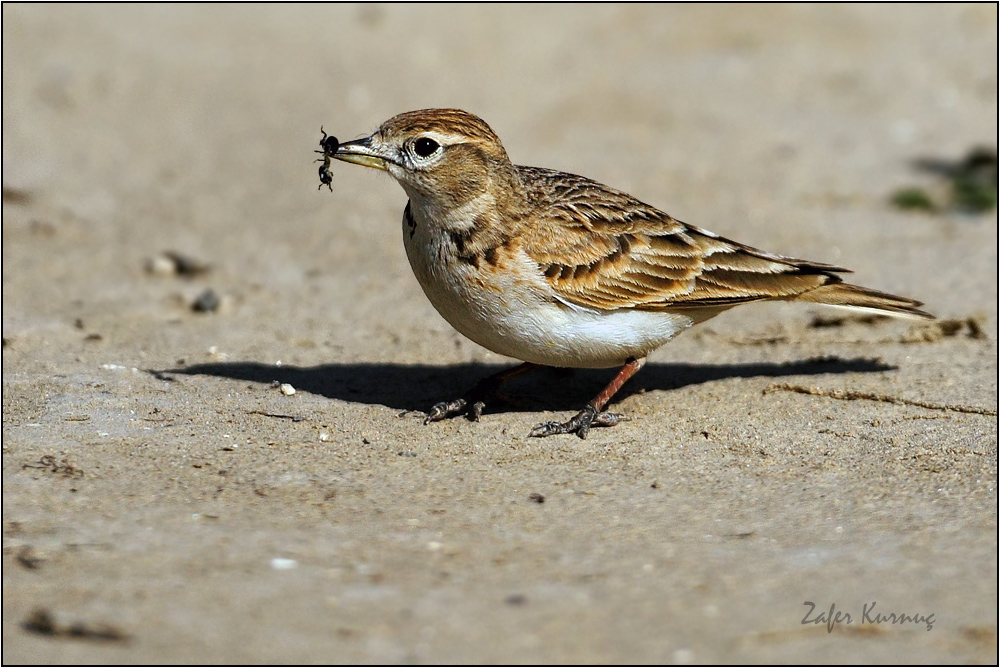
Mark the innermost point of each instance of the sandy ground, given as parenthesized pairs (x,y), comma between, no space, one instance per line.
(164,502)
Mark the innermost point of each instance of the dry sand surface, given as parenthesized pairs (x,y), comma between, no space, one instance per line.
(163,501)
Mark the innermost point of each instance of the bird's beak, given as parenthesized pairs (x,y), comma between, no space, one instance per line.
(360,152)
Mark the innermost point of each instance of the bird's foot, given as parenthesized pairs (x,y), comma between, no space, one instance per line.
(472,403)
(446,409)
(580,424)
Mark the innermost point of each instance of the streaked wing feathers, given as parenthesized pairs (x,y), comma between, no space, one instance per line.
(611,251)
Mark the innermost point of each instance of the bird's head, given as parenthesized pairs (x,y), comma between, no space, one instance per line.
(441,157)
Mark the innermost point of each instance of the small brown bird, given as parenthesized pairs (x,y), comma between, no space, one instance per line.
(558,270)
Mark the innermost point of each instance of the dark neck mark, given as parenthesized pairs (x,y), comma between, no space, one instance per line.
(408,219)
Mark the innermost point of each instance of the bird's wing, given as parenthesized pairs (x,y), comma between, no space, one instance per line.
(603,249)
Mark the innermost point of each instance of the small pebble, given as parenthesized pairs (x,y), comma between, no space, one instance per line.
(171,263)
(207,302)
(683,657)
(280,564)
(28,558)
(287,389)
(161,265)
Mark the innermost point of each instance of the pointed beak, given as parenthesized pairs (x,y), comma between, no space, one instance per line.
(361,152)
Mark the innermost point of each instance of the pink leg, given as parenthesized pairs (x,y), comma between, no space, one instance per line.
(591,415)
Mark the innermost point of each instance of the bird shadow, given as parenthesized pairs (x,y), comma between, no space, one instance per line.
(418,386)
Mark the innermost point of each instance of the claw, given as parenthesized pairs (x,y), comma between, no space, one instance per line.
(548,429)
(472,404)
(580,424)
(608,419)
(444,409)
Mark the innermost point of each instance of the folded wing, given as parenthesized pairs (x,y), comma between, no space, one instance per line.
(615,252)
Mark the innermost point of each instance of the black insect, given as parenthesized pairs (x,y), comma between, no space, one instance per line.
(325,177)
(329,144)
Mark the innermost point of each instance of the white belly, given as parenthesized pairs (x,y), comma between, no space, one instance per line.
(514,313)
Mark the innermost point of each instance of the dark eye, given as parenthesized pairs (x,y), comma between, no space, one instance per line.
(425,146)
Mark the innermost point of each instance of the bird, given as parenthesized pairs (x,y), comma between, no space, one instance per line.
(558,270)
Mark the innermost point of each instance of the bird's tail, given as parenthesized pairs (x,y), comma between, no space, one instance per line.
(855,296)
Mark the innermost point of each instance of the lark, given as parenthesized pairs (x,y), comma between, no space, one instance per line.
(555,269)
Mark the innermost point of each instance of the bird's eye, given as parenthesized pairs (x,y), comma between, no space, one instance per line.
(425,147)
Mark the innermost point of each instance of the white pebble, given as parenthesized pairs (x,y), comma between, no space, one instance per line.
(287,389)
(162,265)
(683,657)
(280,564)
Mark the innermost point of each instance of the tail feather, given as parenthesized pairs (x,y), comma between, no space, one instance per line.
(855,296)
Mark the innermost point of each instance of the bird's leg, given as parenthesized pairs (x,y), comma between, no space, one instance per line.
(473,401)
(592,415)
